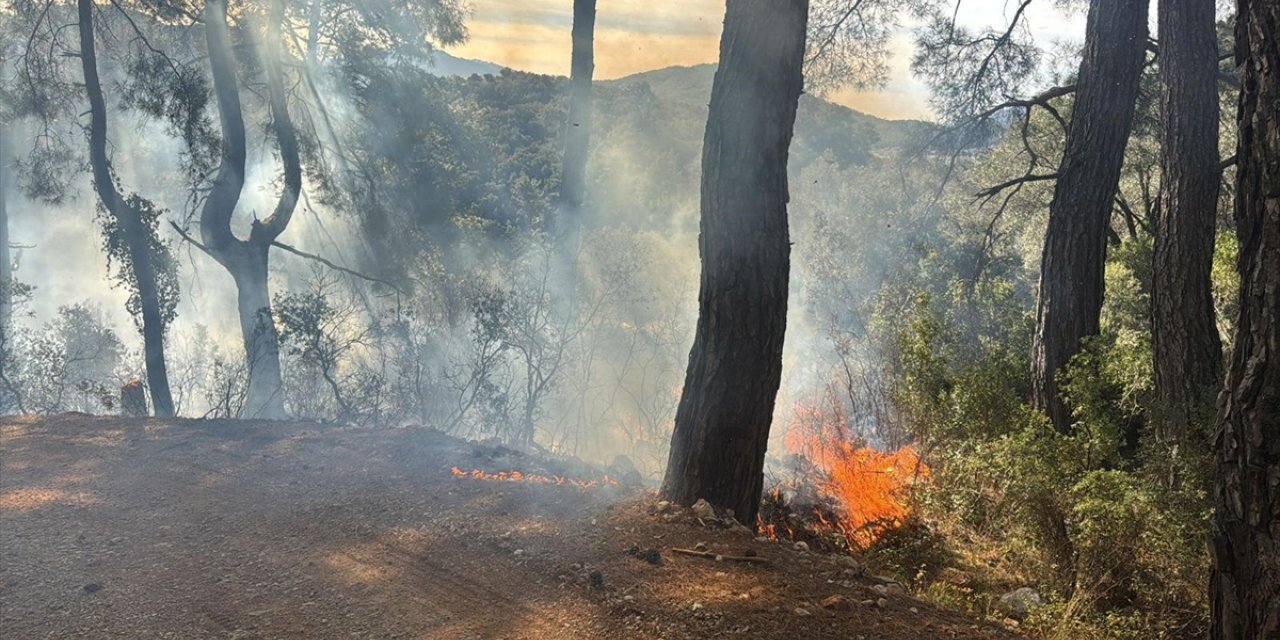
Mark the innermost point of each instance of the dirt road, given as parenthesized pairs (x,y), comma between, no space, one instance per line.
(111,528)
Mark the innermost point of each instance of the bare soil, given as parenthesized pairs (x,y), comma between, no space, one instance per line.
(185,529)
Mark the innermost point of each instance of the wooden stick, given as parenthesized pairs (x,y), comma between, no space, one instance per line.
(719,556)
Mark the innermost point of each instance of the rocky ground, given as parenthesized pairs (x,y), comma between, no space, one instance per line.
(114,528)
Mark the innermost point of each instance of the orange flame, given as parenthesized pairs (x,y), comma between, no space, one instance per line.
(516,476)
(869,487)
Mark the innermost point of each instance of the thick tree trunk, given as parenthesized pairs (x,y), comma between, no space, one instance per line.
(722,423)
(247,260)
(1245,530)
(129,219)
(1187,349)
(1071,268)
(265,398)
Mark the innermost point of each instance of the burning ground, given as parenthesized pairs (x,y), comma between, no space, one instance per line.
(206,529)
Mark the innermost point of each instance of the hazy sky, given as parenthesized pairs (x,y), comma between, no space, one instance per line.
(638,35)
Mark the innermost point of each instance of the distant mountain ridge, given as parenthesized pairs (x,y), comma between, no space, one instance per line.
(692,85)
(444,63)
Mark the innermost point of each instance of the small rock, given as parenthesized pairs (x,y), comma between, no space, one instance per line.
(801,546)
(701,546)
(624,470)
(882,603)
(849,563)
(802,612)
(92,587)
(652,556)
(518,552)
(880,590)
(1018,603)
(762,539)
(913,610)
(663,506)
(703,510)
(597,579)
(697,606)
(836,603)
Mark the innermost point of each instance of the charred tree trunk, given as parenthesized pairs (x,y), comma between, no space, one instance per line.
(722,423)
(247,260)
(1071,267)
(1245,531)
(129,219)
(1187,349)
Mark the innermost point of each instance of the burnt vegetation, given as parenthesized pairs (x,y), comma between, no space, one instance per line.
(1019,355)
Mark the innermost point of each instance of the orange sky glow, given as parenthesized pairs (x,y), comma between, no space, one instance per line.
(634,36)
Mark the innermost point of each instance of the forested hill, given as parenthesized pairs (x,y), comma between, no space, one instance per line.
(650,135)
(817,116)
(505,130)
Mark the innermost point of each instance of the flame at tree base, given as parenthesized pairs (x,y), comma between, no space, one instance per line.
(861,493)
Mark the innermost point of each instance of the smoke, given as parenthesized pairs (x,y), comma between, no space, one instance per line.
(475,343)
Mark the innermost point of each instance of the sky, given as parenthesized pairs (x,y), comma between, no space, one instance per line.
(640,35)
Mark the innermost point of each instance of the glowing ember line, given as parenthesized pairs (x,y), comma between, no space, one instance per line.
(516,476)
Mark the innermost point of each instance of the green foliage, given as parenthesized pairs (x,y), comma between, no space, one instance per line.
(71,364)
(120,259)
(1098,519)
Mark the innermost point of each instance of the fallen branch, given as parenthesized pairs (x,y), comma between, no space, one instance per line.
(719,556)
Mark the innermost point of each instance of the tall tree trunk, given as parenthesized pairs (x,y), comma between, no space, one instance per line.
(1187,349)
(573,167)
(247,260)
(1071,267)
(261,343)
(6,264)
(6,286)
(722,423)
(577,133)
(129,218)
(1245,529)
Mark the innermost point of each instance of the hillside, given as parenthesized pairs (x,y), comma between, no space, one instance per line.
(645,162)
(692,86)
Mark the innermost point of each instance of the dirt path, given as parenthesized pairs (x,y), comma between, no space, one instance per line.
(191,530)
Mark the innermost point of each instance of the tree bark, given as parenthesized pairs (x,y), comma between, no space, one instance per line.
(573,168)
(247,260)
(1245,530)
(6,264)
(577,132)
(128,218)
(735,366)
(1185,342)
(1071,268)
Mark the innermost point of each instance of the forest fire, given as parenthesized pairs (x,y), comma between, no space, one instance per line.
(534,478)
(861,492)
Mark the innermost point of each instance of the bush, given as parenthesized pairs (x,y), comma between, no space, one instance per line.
(1108,523)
